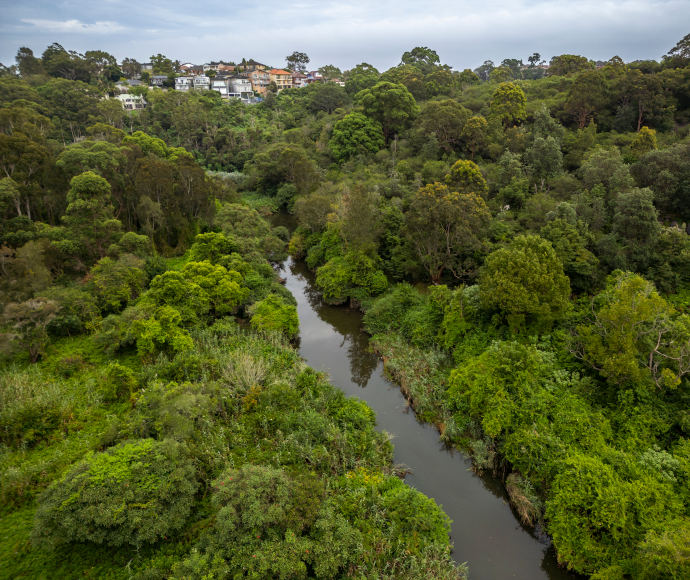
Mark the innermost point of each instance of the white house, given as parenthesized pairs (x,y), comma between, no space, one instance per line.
(131,102)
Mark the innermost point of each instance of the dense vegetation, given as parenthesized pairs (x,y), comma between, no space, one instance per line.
(147,341)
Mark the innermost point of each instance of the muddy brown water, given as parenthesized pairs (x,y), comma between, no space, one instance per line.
(485,532)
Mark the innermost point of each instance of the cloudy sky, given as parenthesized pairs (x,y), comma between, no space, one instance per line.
(344,33)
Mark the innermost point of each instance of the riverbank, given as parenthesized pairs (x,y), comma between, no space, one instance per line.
(485,532)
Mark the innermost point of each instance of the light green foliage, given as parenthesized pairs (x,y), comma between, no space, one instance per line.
(391,104)
(598,516)
(508,104)
(353,276)
(466,177)
(525,283)
(495,386)
(213,247)
(666,553)
(355,135)
(200,290)
(155,146)
(274,315)
(134,493)
(161,332)
(635,337)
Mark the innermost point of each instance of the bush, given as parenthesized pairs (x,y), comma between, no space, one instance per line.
(273,314)
(134,493)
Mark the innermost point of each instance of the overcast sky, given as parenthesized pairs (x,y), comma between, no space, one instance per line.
(345,33)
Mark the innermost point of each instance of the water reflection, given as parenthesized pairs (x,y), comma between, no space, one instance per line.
(344,322)
(485,532)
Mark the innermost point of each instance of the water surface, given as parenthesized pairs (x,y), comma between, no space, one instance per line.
(485,532)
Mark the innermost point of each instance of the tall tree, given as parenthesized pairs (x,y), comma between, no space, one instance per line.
(390,104)
(297,61)
(508,104)
(447,230)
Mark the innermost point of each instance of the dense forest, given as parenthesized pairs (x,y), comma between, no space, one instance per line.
(516,236)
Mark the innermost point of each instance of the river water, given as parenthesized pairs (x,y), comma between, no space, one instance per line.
(485,532)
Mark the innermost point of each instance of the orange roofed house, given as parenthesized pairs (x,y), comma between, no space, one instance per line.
(282,78)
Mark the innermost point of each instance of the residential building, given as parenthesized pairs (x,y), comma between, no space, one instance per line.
(184,83)
(131,102)
(201,83)
(282,78)
(259,79)
(299,80)
(158,80)
(187,83)
(241,88)
(314,76)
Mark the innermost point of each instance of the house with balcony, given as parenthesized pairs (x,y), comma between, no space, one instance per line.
(282,78)
(259,80)
(299,80)
(131,102)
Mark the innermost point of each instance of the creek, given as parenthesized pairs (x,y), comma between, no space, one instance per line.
(485,532)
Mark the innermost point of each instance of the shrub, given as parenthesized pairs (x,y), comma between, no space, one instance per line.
(134,493)
(273,314)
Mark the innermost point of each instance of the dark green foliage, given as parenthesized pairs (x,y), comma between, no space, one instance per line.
(134,494)
(354,135)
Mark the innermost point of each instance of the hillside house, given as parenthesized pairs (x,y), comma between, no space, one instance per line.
(282,78)
(131,102)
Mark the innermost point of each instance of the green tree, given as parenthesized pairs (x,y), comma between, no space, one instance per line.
(636,224)
(635,337)
(446,120)
(466,177)
(474,134)
(355,134)
(28,64)
(644,142)
(421,57)
(447,230)
(390,104)
(297,61)
(363,76)
(587,97)
(525,283)
(330,72)
(273,314)
(89,216)
(26,325)
(508,104)
(566,64)
(132,494)
(353,276)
